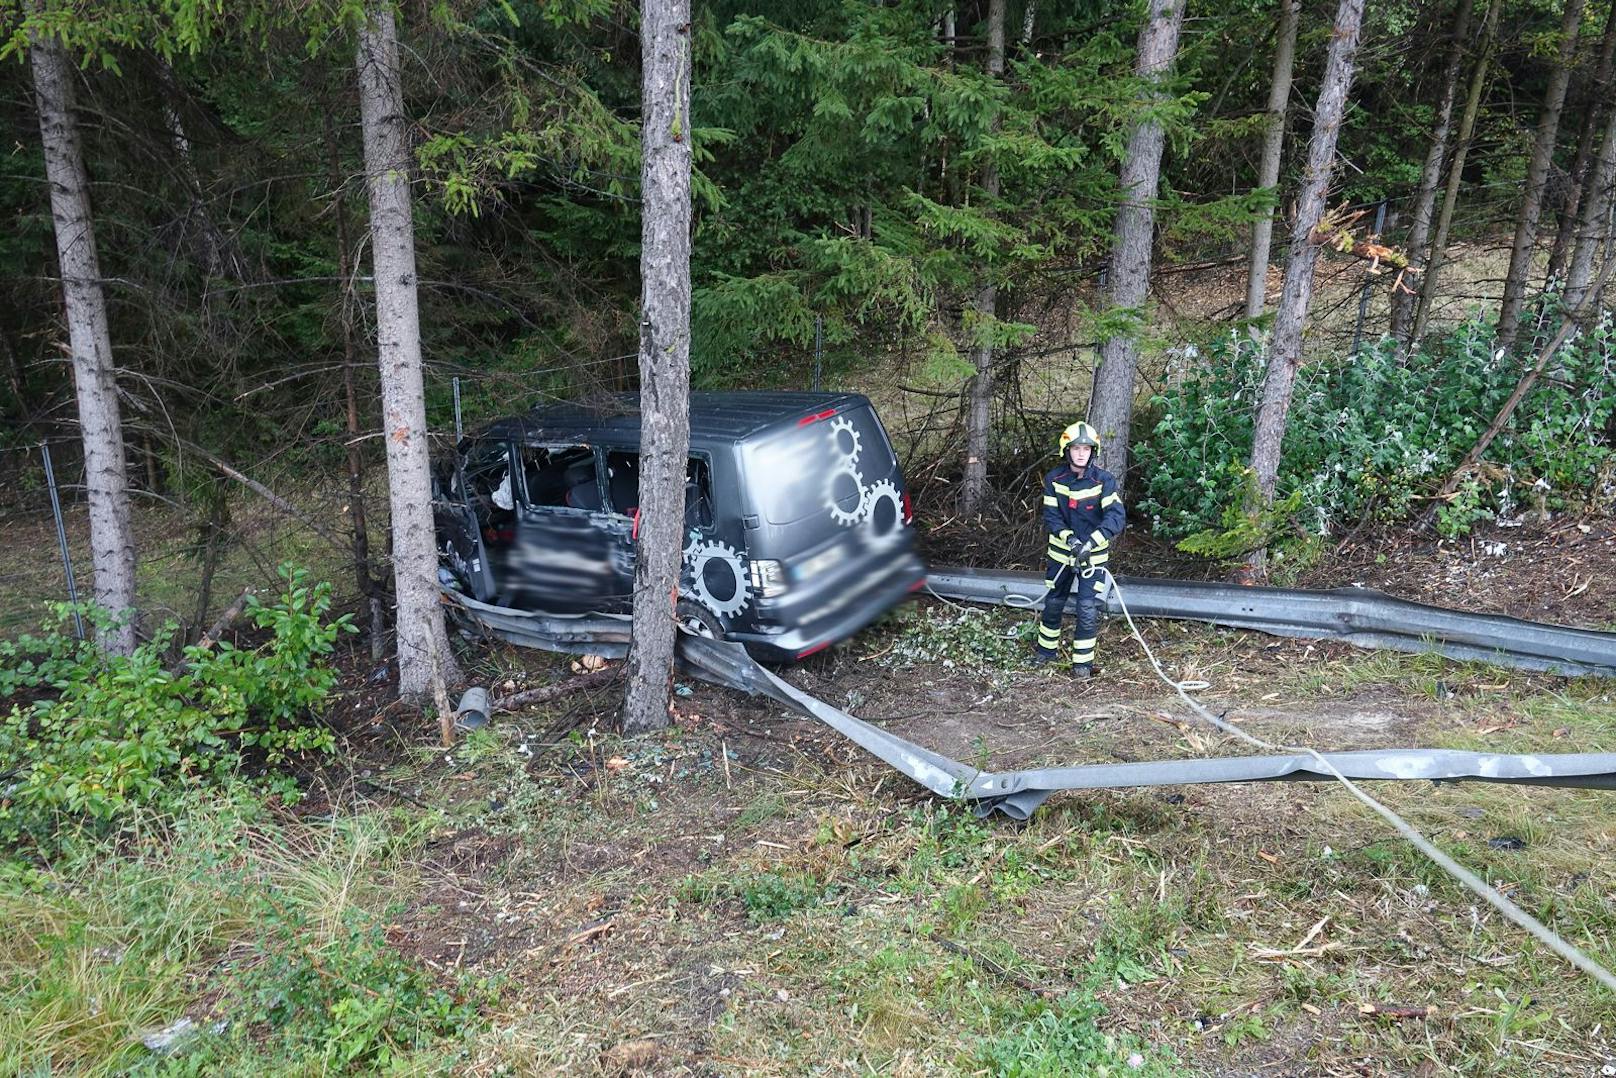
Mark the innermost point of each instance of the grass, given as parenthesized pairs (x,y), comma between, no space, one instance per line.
(795,917)
(803,911)
(220,913)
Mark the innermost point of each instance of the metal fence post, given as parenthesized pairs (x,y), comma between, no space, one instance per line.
(61,539)
(819,347)
(457,409)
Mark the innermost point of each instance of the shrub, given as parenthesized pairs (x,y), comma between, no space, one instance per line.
(1372,437)
(109,733)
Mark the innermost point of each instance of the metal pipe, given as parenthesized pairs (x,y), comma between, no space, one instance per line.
(61,539)
(458,431)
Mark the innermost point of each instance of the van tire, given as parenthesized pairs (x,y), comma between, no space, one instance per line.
(699,620)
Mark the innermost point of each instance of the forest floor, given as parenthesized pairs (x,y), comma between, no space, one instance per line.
(750,894)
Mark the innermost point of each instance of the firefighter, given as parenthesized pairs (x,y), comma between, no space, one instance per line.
(1083,515)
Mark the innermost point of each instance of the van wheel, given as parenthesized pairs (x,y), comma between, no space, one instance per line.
(699,620)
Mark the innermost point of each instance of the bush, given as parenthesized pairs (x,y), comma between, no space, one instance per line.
(107,734)
(1369,437)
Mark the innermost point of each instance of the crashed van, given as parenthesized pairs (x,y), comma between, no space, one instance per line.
(798,527)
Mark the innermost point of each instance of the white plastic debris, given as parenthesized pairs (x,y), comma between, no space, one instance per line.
(173,1037)
(164,1040)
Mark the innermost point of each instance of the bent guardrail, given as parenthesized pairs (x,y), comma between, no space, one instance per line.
(1017,794)
(1358,616)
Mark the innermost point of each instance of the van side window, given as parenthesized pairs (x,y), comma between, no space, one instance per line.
(560,477)
(623,481)
(623,485)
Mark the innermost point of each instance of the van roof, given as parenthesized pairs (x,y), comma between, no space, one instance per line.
(714,416)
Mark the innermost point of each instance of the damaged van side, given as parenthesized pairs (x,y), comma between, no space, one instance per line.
(798,526)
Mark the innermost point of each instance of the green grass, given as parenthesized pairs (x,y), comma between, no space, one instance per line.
(800,915)
(218,913)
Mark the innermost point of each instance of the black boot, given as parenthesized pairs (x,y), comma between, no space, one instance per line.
(1082,671)
(1040,657)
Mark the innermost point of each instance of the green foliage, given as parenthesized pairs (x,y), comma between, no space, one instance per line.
(1371,437)
(1246,523)
(770,895)
(348,999)
(969,638)
(1063,1038)
(109,734)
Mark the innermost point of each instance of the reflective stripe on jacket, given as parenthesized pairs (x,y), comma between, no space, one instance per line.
(1080,509)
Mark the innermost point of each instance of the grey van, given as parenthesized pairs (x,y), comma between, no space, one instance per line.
(798,527)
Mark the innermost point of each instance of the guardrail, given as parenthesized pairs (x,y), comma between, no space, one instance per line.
(1017,794)
(1359,616)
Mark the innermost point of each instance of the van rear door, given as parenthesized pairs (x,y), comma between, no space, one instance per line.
(824,490)
(828,535)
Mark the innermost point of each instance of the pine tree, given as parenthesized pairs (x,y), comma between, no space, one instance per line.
(664,356)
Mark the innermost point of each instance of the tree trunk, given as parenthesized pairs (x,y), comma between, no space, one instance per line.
(1279,95)
(1596,204)
(1285,353)
(1419,233)
(1598,107)
(1450,195)
(423,645)
(106,481)
(1111,407)
(1029,18)
(664,355)
(1537,178)
(979,393)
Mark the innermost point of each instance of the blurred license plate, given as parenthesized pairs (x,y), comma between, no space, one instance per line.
(819,563)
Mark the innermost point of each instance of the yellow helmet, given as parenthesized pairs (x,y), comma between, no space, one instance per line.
(1079,433)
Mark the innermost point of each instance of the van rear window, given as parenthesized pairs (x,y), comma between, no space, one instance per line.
(805,471)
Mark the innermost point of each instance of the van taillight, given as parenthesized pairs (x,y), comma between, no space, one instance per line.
(816,417)
(908,509)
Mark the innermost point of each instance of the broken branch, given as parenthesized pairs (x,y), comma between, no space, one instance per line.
(555,692)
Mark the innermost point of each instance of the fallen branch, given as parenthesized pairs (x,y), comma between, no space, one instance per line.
(557,691)
(226,619)
(1335,230)
(230,472)
(1392,1011)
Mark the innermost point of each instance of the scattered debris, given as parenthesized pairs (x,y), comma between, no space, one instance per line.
(628,1056)
(1395,1012)
(173,1037)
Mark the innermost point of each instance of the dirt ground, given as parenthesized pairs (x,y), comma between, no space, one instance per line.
(751,894)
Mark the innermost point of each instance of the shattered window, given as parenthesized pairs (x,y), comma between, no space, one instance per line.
(623,487)
(562,477)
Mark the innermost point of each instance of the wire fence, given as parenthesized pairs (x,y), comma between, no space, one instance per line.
(197,548)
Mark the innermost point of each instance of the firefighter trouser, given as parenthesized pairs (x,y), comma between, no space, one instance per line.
(1089,583)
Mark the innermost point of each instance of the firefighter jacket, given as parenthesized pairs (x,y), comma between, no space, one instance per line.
(1082,508)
